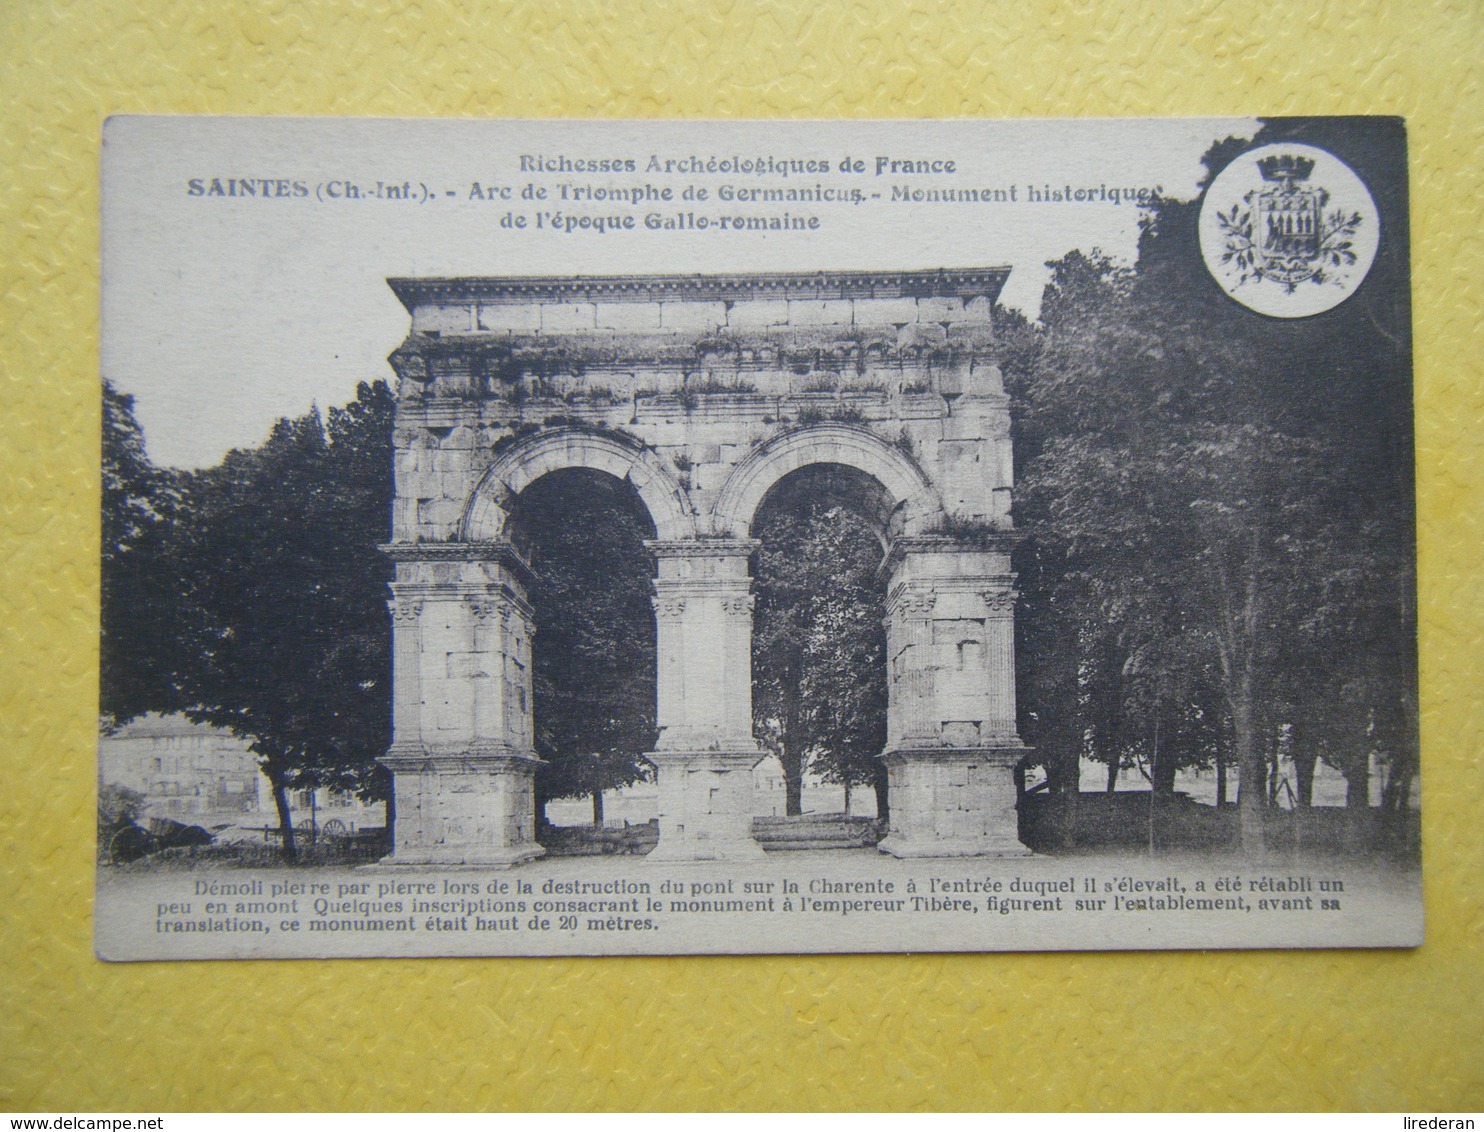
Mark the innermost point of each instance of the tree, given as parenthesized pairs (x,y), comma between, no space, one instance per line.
(284,633)
(594,645)
(1341,380)
(1192,521)
(819,649)
(137,616)
(1219,501)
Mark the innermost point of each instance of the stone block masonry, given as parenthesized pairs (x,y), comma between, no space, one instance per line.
(702,393)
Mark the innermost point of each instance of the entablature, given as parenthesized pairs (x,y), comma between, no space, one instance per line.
(965,284)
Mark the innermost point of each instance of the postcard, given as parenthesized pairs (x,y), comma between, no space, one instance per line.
(672,537)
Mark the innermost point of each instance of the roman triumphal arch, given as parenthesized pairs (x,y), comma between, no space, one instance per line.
(702,393)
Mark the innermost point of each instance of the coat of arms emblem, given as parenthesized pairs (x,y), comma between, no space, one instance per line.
(1285,220)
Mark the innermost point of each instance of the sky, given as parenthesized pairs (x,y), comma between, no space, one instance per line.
(223,312)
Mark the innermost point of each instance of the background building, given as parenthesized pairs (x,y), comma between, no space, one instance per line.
(206,776)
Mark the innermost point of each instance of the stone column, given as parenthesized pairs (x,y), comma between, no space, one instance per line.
(462,757)
(951,737)
(705,751)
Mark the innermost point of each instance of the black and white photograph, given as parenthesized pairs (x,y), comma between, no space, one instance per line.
(679,537)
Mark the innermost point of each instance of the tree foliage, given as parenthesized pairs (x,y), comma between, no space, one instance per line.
(594,646)
(284,599)
(1220,511)
(267,615)
(140,502)
(819,649)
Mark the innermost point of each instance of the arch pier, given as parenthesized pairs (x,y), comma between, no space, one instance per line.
(951,741)
(463,753)
(705,751)
(702,393)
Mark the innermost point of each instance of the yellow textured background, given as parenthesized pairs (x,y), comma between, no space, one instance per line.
(1246,1030)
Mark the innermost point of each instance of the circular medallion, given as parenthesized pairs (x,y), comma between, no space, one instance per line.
(1288,230)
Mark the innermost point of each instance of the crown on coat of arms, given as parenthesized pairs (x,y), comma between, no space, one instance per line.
(1286,167)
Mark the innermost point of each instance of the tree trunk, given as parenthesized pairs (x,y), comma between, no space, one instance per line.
(1273,760)
(1069,772)
(1108,731)
(1251,772)
(1357,774)
(847,797)
(541,800)
(1401,765)
(881,783)
(1236,640)
(285,818)
(1220,777)
(597,809)
(792,760)
(1162,778)
(1397,795)
(1063,773)
(793,782)
(1395,798)
(1357,783)
(1404,768)
(391,812)
(1304,762)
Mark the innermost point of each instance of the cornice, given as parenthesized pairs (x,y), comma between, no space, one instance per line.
(501,552)
(964,283)
(994,540)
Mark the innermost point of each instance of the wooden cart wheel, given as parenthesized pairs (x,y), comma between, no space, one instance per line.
(129,844)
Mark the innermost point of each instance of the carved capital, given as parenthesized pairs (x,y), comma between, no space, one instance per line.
(483,608)
(916,605)
(1000,601)
(738,606)
(669,608)
(405,611)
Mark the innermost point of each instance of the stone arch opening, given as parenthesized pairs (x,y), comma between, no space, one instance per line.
(528,459)
(835,485)
(908,503)
(819,642)
(593,674)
